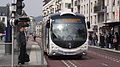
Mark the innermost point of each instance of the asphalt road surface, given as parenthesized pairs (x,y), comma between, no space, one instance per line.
(94,58)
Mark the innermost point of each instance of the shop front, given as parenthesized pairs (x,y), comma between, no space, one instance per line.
(112,27)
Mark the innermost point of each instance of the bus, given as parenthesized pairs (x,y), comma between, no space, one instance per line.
(65,34)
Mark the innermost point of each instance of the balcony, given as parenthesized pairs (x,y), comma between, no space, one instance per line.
(100,9)
(45,2)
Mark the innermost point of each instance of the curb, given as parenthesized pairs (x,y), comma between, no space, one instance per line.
(106,49)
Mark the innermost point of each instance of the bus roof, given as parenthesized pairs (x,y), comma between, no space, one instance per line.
(62,14)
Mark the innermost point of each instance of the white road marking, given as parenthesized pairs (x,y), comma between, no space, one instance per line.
(107,57)
(118,61)
(106,65)
(65,63)
(72,63)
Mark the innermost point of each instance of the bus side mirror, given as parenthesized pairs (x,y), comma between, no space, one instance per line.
(48,25)
(88,24)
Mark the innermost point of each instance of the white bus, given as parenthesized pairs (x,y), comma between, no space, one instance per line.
(65,34)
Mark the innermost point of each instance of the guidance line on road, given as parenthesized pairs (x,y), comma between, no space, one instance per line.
(72,63)
(65,63)
(106,57)
(68,63)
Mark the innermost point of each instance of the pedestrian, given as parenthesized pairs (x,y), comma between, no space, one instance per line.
(116,41)
(96,40)
(23,56)
(110,42)
(107,41)
(90,39)
(102,40)
(34,37)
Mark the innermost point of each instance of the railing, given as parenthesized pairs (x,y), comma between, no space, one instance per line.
(3,43)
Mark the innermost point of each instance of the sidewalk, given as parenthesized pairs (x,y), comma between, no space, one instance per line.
(106,49)
(34,52)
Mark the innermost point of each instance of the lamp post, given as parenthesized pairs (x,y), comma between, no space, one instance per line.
(12,23)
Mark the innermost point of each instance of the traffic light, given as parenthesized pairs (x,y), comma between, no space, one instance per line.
(23,21)
(19,6)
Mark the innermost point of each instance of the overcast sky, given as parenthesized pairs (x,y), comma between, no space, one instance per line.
(32,7)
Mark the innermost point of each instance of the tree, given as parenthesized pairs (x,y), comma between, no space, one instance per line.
(2,27)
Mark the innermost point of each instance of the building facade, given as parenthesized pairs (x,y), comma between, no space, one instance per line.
(56,6)
(4,14)
(31,29)
(113,15)
(38,28)
(102,14)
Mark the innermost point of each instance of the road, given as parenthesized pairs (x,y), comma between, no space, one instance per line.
(94,58)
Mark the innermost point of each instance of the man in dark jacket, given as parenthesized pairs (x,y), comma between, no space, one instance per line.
(22,44)
(102,40)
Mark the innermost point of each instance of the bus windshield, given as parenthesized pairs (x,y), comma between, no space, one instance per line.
(69,30)
(75,31)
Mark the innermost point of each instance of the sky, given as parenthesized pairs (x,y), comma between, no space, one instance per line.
(32,7)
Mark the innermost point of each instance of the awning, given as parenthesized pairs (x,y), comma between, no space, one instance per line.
(112,24)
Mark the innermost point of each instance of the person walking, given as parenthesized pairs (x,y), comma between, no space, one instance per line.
(116,41)
(34,37)
(23,56)
(90,39)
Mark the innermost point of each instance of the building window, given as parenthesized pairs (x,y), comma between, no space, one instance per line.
(113,2)
(95,19)
(113,15)
(107,16)
(87,9)
(76,3)
(68,5)
(107,2)
(91,7)
(3,19)
(118,3)
(82,1)
(91,20)
(0,18)
(81,9)
(84,9)
(95,3)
